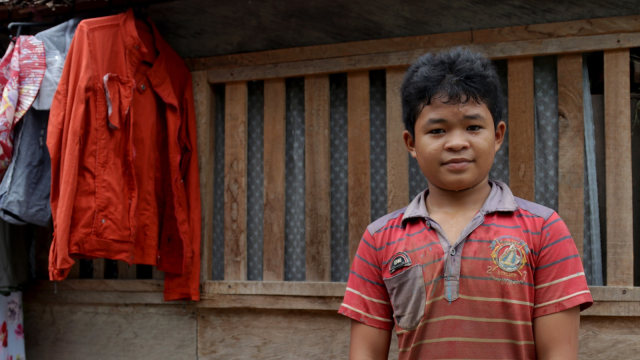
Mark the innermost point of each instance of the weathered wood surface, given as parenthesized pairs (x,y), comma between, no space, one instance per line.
(203,99)
(397,156)
(521,128)
(609,338)
(274,179)
(317,179)
(571,146)
(358,167)
(55,331)
(619,202)
(235,182)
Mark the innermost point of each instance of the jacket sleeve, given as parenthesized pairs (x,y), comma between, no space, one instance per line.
(187,285)
(64,140)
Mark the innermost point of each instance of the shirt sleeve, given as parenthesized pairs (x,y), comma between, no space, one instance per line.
(64,136)
(560,282)
(366,299)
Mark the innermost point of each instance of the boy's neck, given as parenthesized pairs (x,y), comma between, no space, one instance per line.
(468,200)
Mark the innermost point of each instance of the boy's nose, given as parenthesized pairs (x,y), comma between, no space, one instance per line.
(456,141)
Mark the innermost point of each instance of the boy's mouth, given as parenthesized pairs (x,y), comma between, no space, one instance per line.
(457,164)
(456,161)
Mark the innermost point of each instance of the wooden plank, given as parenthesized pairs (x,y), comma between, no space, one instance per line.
(235,182)
(588,27)
(98,268)
(521,127)
(397,158)
(126,271)
(358,167)
(204,104)
(618,180)
(317,179)
(274,179)
(290,288)
(381,60)
(571,146)
(609,338)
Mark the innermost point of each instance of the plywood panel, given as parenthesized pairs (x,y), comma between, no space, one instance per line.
(235,182)
(274,179)
(397,158)
(618,181)
(317,179)
(571,146)
(203,99)
(521,127)
(359,185)
(109,332)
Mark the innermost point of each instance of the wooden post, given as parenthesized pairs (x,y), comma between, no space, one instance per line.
(521,127)
(397,158)
(235,182)
(571,146)
(274,179)
(359,185)
(204,103)
(317,179)
(619,201)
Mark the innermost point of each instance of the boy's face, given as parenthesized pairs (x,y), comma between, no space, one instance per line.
(455,144)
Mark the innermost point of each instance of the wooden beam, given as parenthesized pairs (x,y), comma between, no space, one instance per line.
(618,180)
(235,182)
(291,288)
(358,167)
(397,159)
(625,24)
(381,60)
(317,179)
(204,104)
(571,146)
(274,179)
(521,127)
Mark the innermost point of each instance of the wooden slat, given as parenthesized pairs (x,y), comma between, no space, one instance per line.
(380,60)
(235,182)
(274,179)
(204,103)
(98,268)
(359,185)
(293,288)
(521,127)
(74,272)
(317,179)
(618,180)
(397,159)
(126,271)
(571,146)
(515,33)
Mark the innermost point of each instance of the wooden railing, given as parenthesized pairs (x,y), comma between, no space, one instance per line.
(517,45)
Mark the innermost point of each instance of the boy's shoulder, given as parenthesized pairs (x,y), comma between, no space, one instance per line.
(534,208)
(393,218)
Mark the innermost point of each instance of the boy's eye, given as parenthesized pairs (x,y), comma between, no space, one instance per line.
(436,131)
(474,127)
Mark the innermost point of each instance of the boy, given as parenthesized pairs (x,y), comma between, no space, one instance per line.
(466,270)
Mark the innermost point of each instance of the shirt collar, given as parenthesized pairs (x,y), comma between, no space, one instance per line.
(500,199)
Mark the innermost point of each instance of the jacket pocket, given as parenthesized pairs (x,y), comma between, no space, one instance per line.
(408,297)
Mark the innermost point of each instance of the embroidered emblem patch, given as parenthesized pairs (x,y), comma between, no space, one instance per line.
(399,261)
(509,254)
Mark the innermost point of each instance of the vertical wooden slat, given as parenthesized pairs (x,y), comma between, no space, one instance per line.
(571,146)
(618,179)
(204,111)
(235,182)
(521,127)
(274,179)
(317,179)
(359,185)
(126,271)
(98,268)
(397,159)
(74,272)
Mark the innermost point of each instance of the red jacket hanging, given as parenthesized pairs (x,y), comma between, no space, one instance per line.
(124,165)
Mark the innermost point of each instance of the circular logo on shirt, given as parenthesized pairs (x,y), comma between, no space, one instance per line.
(509,254)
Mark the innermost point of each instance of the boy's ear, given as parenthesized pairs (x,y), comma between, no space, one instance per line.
(501,130)
(409,143)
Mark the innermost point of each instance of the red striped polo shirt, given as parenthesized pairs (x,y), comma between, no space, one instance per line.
(476,299)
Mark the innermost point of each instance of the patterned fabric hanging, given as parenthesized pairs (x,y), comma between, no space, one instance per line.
(11,327)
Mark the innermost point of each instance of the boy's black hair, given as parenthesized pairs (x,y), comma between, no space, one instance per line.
(458,75)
